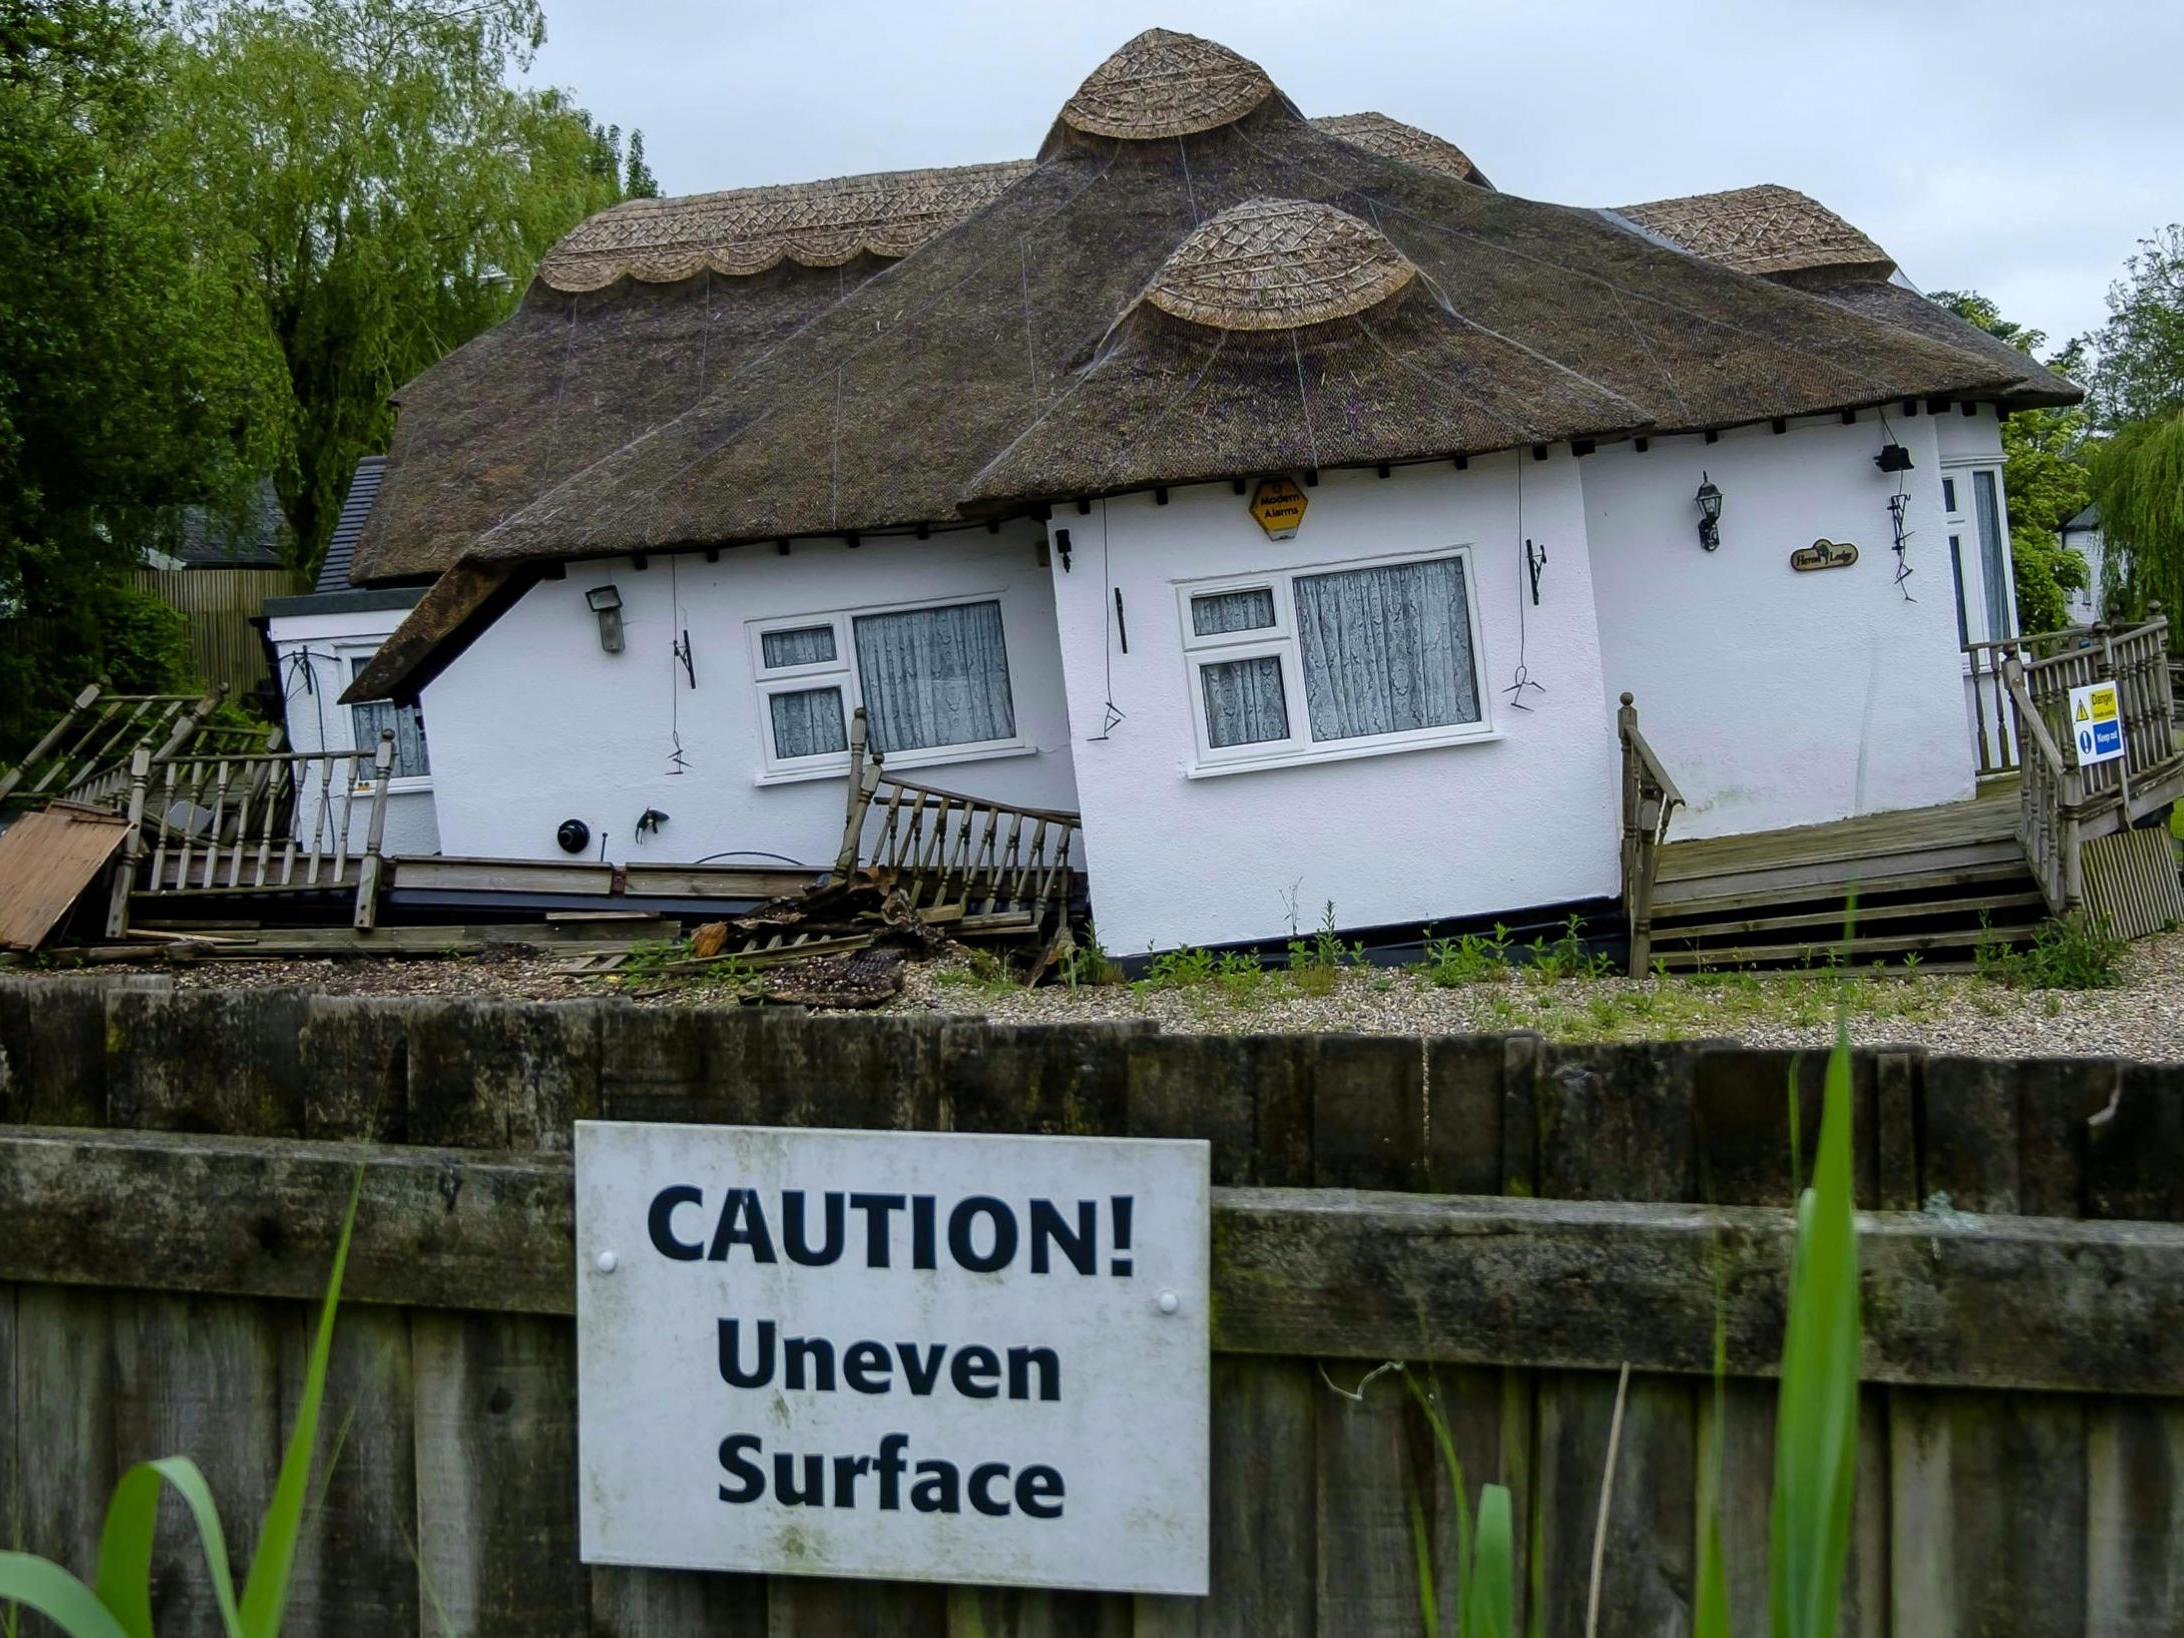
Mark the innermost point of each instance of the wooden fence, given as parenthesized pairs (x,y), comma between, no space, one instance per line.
(219,604)
(1513,1220)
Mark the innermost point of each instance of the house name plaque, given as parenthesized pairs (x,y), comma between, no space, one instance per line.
(1824,554)
(935,1357)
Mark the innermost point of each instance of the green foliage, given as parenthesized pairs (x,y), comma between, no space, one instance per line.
(1485,1556)
(1567,956)
(2076,953)
(1086,961)
(1471,959)
(1315,964)
(121,1605)
(2138,481)
(1180,969)
(1816,1417)
(2141,372)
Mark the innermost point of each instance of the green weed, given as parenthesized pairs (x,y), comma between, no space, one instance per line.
(1471,959)
(1180,969)
(2075,953)
(1085,962)
(1567,956)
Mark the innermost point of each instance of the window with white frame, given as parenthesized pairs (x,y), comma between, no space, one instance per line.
(370,719)
(933,680)
(1307,664)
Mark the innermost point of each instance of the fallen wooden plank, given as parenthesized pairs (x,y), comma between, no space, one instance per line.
(1950,1299)
(46,861)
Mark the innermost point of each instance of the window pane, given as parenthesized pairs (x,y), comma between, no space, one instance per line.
(1216,612)
(1956,571)
(1948,494)
(1993,566)
(807,722)
(807,645)
(935,677)
(1244,701)
(1386,650)
(368,722)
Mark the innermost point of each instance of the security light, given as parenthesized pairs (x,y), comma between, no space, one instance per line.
(1893,458)
(606,602)
(1709,499)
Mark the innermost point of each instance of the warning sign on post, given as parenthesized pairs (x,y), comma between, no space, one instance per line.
(935,1357)
(2096,723)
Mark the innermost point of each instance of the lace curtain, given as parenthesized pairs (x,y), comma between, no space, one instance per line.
(807,721)
(806,645)
(1245,704)
(935,677)
(1386,650)
(1217,612)
(369,721)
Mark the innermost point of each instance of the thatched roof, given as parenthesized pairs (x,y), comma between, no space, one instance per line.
(1891,303)
(1766,229)
(1020,356)
(1392,139)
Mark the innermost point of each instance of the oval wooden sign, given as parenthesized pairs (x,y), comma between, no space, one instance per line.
(1824,554)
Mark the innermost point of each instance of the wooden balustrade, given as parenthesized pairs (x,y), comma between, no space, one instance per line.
(1650,797)
(255,822)
(955,857)
(84,757)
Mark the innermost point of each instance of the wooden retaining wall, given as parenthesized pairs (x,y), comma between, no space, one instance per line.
(1514,1220)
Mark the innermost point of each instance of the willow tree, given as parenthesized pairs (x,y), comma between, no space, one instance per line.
(2138,395)
(389,186)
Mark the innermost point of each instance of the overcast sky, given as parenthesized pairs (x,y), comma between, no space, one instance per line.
(2017,149)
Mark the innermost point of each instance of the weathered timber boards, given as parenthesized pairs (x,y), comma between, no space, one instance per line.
(1992,1302)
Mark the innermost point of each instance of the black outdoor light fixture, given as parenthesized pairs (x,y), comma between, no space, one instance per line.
(573,835)
(606,602)
(1709,499)
(1893,458)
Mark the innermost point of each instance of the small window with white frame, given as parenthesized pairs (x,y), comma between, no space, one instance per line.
(1315,664)
(933,680)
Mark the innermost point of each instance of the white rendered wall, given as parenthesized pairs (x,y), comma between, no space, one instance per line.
(1405,837)
(1777,698)
(535,723)
(315,651)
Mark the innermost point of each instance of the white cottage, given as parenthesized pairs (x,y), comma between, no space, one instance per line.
(1274,492)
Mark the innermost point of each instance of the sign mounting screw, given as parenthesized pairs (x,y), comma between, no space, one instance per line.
(1168,1302)
(606,1262)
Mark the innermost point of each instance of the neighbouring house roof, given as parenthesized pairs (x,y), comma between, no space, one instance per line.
(356,506)
(204,537)
(2085,521)
(1021,354)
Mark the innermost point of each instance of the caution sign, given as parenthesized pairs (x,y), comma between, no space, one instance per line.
(2096,722)
(1279,505)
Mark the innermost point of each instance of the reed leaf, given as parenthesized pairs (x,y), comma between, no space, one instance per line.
(1710,1615)
(1445,1442)
(1490,1590)
(265,1592)
(1429,1606)
(132,1523)
(1816,1427)
(39,1584)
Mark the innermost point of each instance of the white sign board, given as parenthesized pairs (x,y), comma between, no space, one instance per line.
(2096,723)
(934,1357)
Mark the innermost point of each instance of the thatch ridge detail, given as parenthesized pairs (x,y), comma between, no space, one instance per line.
(1390,138)
(743,231)
(1763,229)
(1278,264)
(1164,84)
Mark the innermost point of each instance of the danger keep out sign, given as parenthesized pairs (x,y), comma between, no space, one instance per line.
(935,1357)
(2096,722)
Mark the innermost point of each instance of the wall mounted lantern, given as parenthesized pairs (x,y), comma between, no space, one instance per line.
(606,602)
(1709,499)
(1893,458)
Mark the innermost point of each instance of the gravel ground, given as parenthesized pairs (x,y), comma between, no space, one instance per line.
(2141,1018)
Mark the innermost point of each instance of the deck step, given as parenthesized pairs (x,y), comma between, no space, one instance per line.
(1880,873)
(1856,952)
(1742,893)
(2004,907)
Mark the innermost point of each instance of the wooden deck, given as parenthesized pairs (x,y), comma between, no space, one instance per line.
(1928,882)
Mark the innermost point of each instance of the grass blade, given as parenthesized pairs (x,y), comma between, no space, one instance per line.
(1445,1441)
(41,1585)
(1710,1616)
(1816,1428)
(125,1543)
(265,1592)
(1490,1590)
(1429,1607)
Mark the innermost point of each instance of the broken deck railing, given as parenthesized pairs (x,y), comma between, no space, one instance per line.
(255,822)
(1649,798)
(978,863)
(2063,804)
(84,757)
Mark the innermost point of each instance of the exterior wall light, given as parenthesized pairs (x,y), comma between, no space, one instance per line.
(1709,499)
(1893,458)
(606,602)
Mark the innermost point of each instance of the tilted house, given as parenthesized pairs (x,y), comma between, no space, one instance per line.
(985,453)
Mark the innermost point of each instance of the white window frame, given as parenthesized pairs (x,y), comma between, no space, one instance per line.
(1280,639)
(345,657)
(1963,522)
(841,671)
